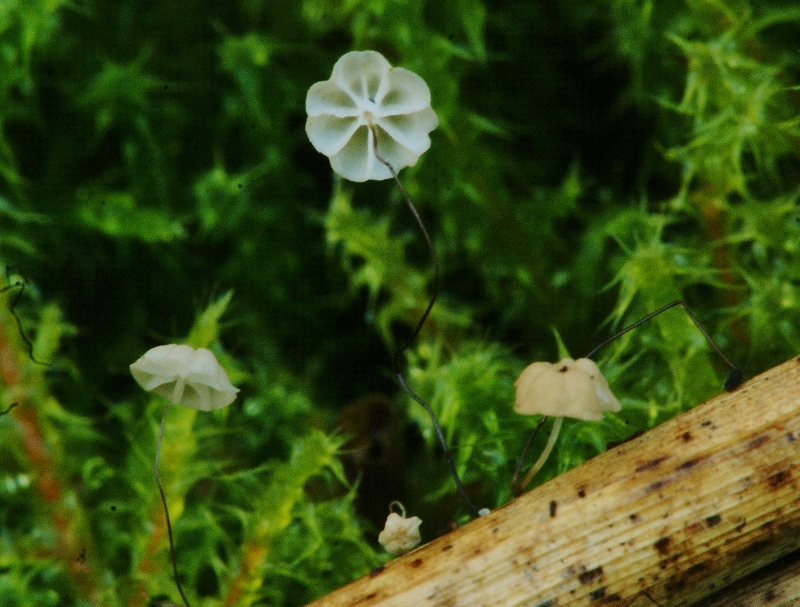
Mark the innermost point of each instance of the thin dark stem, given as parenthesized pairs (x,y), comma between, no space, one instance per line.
(8,409)
(735,372)
(166,510)
(515,488)
(13,304)
(396,361)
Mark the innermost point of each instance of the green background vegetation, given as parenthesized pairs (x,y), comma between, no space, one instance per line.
(595,160)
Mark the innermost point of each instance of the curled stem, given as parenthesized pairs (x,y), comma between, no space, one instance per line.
(396,361)
(166,510)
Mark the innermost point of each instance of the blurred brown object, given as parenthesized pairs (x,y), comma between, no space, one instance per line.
(376,454)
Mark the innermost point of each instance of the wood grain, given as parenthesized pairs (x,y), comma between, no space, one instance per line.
(673,516)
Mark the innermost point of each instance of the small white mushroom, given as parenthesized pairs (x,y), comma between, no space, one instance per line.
(188,377)
(185,376)
(570,388)
(400,534)
(364,96)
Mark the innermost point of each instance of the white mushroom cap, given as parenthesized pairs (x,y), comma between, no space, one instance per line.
(365,90)
(185,376)
(570,388)
(400,534)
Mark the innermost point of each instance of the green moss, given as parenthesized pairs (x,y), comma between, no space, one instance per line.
(594,161)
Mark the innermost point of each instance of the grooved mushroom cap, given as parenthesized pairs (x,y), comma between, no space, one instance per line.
(185,376)
(570,388)
(363,90)
(400,534)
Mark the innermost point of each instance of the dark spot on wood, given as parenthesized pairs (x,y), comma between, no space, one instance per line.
(366,599)
(415,563)
(691,463)
(587,577)
(739,527)
(770,595)
(652,463)
(791,437)
(598,594)
(693,528)
(549,603)
(376,572)
(496,529)
(662,545)
(563,369)
(613,597)
(635,518)
(706,423)
(713,520)
(446,548)
(779,479)
(656,486)
(553,506)
(757,442)
(686,436)
(581,492)
(477,551)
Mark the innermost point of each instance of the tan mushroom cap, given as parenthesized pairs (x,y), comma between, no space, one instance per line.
(570,388)
(185,376)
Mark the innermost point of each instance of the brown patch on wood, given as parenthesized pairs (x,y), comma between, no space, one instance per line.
(656,486)
(376,572)
(779,479)
(446,548)
(694,528)
(691,463)
(370,597)
(652,463)
(581,492)
(686,436)
(662,545)
(588,577)
(713,520)
(553,506)
(415,563)
(757,442)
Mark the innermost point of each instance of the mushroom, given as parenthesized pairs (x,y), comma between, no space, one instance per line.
(185,376)
(188,377)
(372,120)
(400,534)
(570,388)
(366,96)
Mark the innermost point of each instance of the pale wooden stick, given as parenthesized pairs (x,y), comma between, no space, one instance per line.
(683,511)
